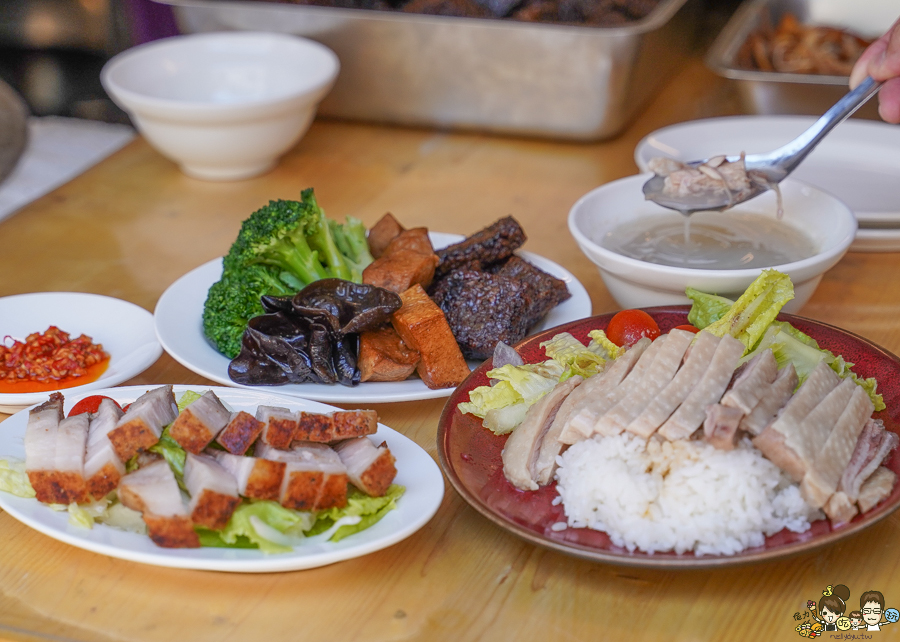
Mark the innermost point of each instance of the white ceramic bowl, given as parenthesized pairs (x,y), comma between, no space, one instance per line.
(224,106)
(633,283)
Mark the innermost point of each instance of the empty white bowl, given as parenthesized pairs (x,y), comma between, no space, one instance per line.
(224,106)
(633,283)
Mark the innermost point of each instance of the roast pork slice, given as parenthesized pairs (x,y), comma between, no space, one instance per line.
(141,425)
(153,491)
(240,432)
(878,486)
(256,478)
(721,426)
(213,491)
(314,477)
(872,448)
(200,422)
(692,411)
(773,399)
(676,391)
(752,382)
(40,447)
(102,467)
(370,468)
(821,481)
(279,426)
(522,448)
(589,399)
(336,426)
(660,374)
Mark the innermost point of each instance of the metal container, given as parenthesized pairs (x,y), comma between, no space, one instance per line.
(772,92)
(559,81)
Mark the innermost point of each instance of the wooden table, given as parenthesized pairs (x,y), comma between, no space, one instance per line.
(132,225)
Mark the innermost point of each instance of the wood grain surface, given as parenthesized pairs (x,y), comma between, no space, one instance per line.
(133,224)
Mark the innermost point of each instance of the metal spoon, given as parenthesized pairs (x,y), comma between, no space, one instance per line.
(771,167)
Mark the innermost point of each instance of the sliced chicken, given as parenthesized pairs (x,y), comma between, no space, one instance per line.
(370,468)
(153,491)
(840,509)
(876,488)
(102,467)
(523,446)
(872,448)
(773,399)
(213,491)
(676,391)
(721,426)
(200,422)
(314,478)
(240,433)
(279,426)
(753,381)
(141,425)
(256,478)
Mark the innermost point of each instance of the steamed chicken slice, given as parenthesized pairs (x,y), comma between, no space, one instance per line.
(752,382)
(102,467)
(213,491)
(141,425)
(369,467)
(876,488)
(199,423)
(773,398)
(872,448)
(153,491)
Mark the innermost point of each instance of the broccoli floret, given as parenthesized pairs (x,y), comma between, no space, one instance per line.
(321,240)
(351,241)
(233,301)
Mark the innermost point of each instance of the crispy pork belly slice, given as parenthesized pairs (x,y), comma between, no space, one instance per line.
(589,400)
(878,486)
(153,491)
(752,382)
(314,477)
(336,426)
(872,448)
(279,426)
(142,424)
(660,374)
(240,432)
(40,440)
(102,467)
(523,446)
(822,479)
(676,391)
(721,426)
(65,483)
(256,478)
(370,468)
(213,491)
(773,399)
(840,509)
(692,411)
(199,423)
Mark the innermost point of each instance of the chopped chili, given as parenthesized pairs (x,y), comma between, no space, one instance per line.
(48,356)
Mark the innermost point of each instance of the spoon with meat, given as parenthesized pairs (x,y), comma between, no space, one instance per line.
(721,182)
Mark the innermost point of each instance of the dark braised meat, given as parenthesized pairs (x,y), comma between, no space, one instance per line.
(542,291)
(492,244)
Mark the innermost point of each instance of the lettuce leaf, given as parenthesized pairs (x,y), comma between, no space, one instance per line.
(707,308)
(601,344)
(370,509)
(187,398)
(575,357)
(516,386)
(239,531)
(14,480)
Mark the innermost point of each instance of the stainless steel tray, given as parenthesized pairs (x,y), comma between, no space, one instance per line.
(771,92)
(559,81)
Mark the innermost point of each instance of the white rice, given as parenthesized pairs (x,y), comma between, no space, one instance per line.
(678,496)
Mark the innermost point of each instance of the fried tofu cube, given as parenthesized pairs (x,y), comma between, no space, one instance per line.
(415,240)
(382,233)
(423,327)
(383,356)
(279,425)
(240,433)
(400,270)
(199,423)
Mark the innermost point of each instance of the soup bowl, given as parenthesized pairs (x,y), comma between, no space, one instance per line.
(826,222)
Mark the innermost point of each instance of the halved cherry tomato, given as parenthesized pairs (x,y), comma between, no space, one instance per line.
(688,327)
(89,404)
(628,327)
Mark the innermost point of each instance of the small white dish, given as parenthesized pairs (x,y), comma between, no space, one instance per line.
(827,222)
(416,471)
(125,330)
(859,161)
(179,326)
(224,106)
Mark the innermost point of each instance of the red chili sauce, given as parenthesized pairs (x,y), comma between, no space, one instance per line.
(49,361)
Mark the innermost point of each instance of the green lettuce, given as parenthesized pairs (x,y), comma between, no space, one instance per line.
(601,344)
(240,533)
(14,480)
(517,386)
(575,357)
(707,308)
(370,509)
(187,398)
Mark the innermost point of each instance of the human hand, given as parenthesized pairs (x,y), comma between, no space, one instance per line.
(882,61)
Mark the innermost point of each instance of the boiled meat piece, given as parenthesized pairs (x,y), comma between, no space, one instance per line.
(773,399)
(876,488)
(872,448)
(752,382)
(721,426)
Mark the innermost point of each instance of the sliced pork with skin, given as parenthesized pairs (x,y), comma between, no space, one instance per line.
(240,432)
(279,426)
(369,467)
(588,400)
(720,428)
(663,370)
(200,422)
(876,488)
(213,491)
(523,446)
(872,448)
(676,391)
(690,414)
(153,491)
(256,478)
(752,382)
(335,426)
(102,467)
(141,425)
(40,447)
(314,476)
(773,399)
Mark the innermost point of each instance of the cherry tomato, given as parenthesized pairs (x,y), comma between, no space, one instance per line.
(628,326)
(688,327)
(89,404)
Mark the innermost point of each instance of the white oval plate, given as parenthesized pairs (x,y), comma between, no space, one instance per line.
(416,470)
(125,330)
(859,162)
(179,326)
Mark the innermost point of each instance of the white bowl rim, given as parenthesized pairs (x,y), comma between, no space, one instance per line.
(310,93)
(827,256)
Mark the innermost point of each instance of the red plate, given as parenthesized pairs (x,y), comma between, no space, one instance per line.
(470,457)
